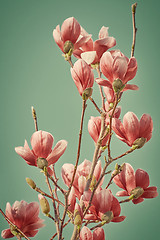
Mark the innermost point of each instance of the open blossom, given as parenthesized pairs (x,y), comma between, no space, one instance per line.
(86,234)
(81,176)
(132,129)
(69,37)
(115,65)
(105,207)
(136,183)
(92,51)
(82,75)
(41,152)
(25,216)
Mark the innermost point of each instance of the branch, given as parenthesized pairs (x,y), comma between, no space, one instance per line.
(34,115)
(134,28)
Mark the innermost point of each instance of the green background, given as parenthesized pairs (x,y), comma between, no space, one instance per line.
(33,72)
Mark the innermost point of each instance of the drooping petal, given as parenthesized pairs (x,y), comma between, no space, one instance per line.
(131,126)
(118,128)
(146,126)
(150,192)
(9,212)
(6,234)
(142,178)
(32,212)
(118,219)
(57,37)
(138,200)
(42,142)
(70,30)
(57,152)
(116,209)
(103,82)
(89,57)
(122,194)
(109,93)
(98,234)
(132,69)
(102,45)
(94,127)
(130,87)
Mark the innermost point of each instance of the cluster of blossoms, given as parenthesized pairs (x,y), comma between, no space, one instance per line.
(86,200)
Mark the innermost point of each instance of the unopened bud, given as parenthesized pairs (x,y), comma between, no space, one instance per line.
(87,93)
(137,192)
(118,85)
(111,105)
(41,163)
(77,218)
(44,204)
(139,142)
(31,183)
(116,166)
(68,47)
(107,217)
(14,231)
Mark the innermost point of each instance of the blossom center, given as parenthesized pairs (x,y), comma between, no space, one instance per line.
(137,192)
(41,163)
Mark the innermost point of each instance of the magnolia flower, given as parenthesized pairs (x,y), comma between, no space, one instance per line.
(132,131)
(115,66)
(136,184)
(92,51)
(81,176)
(41,154)
(86,234)
(69,37)
(82,75)
(25,216)
(105,207)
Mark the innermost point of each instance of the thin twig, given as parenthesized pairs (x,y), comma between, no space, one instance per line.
(34,115)
(126,200)
(90,98)
(55,190)
(13,225)
(124,154)
(134,28)
(63,227)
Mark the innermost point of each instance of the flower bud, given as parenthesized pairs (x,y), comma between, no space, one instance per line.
(31,183)
(41,163)
(77,218)
(14,230)
(107,217)
(68,47)
(87,93)
(139,142)
(137,192)
(118,85)
(111,105)
(44,204)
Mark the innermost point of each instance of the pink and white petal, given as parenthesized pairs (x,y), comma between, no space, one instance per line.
(70,30)
(103,201)
(150,192)
(31,233)
(57,37)
(103,33)
(6,233)
(9,212)
(131,126)
(57,152)
(77,53)
(119,68)
(82,41)
(103,82)
(130,87)
(67,173)
(97,170)
(98,234)
(81,184)
(72,199)
(116,209)
(109,93)
(122,194)
(32,212)
(19,213)
(102,45)
(94,127)
(132,69)
(26,154)
(88,57)
(118,128)
(106,64)
(118,219)
(86,234)
(84,168)
(42,142)
(142,178)
(139,200)
(146,126)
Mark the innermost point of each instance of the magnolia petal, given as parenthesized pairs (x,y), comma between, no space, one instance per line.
(106,64)
(94,127)
(67,173)
(88,57)
(131,126)
(122,194)
(116,209)
(118,219)
(86,234)
(103,201)
(57,37)
(57,152)
(103,33)
(130,87)
(118,128)
(138,200)
(150,192)
(31,233)
(98,234)
(70,30)
(103,82)
(32,212)
(6,233)
(82,41)
(146,126)
(119,68)
(142,178)
(42,142)
(132,69)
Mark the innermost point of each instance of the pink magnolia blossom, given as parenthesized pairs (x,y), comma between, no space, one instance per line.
(41,143)
(92,51)
(134,183)
(86,234)
(104,206)
(82,173)
(25,216)
(115,65)
(70,34)
(82,75)
(132,129)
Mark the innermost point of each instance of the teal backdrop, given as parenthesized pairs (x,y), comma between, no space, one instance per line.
(33,72)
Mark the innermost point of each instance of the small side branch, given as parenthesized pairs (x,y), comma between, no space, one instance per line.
(134,28)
